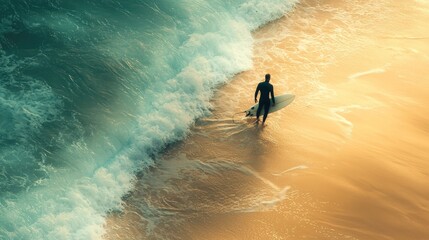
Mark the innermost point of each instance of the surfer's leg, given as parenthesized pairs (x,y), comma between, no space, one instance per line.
(266,110)
(258,111)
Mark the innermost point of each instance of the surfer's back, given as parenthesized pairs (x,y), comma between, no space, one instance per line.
(265,88)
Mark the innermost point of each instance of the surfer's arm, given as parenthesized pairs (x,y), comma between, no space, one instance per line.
(256,93)
(272,96)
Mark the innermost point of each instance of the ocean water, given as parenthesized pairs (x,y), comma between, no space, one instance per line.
(92,91)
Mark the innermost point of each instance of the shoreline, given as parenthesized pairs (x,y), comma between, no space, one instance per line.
(329,166)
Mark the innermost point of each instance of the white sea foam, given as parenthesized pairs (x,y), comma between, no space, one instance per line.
(365,73)
(300,167)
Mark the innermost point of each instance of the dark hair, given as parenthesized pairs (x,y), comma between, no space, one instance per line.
(267,77)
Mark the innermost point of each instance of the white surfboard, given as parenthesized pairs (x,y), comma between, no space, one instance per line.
(281,102)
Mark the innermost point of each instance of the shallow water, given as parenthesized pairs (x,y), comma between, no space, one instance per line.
(348,159)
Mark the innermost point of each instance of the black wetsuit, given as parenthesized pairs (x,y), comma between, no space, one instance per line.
(264,101)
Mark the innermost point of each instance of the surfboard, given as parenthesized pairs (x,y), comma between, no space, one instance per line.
(281,102)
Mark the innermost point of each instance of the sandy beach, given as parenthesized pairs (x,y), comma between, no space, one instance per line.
(348,159)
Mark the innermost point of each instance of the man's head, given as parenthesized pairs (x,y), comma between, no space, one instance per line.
(267,77)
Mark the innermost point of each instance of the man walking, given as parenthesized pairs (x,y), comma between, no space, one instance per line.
(264,100)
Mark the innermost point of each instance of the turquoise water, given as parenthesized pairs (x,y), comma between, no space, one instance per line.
(92,91)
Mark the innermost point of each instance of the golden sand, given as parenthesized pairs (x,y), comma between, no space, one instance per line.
(349,159)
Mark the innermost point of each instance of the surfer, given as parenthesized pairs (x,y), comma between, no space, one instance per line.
(264,100)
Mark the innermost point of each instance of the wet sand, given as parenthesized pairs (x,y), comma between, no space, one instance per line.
(348,159)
